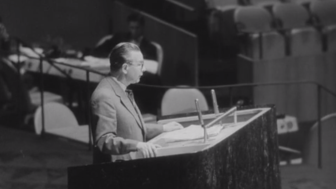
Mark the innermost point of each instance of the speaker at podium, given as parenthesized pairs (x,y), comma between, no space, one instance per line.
(243,150)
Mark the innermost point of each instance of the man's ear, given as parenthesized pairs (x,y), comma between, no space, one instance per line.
(124,68)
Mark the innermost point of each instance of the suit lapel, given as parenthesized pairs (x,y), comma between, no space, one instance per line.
(142,121)
(126,102)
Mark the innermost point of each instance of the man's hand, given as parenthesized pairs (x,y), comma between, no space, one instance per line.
(171,126)
(148,150)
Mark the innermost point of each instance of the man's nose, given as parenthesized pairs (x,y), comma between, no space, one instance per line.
(143,68)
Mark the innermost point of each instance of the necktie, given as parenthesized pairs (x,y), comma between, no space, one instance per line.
(130,95)
(131,98)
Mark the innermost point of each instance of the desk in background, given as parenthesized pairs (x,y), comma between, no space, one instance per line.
(74,68)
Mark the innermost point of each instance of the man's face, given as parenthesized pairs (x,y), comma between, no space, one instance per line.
(135,29)
(135,66)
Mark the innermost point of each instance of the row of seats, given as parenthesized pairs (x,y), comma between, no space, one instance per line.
(276,31)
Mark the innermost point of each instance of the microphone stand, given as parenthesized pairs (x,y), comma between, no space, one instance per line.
(201,121)
(215,104)
(41,84)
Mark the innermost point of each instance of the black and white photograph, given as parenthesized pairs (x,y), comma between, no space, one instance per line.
(167,94)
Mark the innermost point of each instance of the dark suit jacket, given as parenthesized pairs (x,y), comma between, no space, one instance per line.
(147,48)
(118,126)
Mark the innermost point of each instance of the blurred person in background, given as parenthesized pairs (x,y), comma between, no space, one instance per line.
(135,34)
(14,96)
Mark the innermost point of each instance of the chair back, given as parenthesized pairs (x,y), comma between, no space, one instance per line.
(324,12)
(310,153)
(179,100)
(35,97)
(159,52)
(252,19)
(290,15)
(56,116)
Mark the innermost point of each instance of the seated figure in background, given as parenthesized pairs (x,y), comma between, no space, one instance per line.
(136,23)
(135,34)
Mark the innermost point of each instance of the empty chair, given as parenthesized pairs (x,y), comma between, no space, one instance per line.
(59,120)
(324,13)
(36,100)
(268,5)
(310,155)
(296,176)
(302,39)
(291,15)
(222,29)
(35,97)
(261,41)
(180,100)
(252,19)
(304,3)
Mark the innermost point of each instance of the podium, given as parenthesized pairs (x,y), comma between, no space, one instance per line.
(243,155)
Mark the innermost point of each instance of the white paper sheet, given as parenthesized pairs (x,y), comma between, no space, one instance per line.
(192,132)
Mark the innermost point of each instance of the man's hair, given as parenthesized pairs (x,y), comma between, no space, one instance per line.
(117,55)
(136,17)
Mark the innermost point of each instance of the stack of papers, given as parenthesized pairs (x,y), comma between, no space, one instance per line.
(192,132)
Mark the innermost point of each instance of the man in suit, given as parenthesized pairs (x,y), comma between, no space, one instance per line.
(120,130)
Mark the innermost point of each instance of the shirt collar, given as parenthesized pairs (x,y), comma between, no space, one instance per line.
(123,87)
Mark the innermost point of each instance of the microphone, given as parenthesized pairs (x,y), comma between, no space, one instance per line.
(214,102)
(201,121)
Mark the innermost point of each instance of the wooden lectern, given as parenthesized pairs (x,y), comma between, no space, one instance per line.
(243,155)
